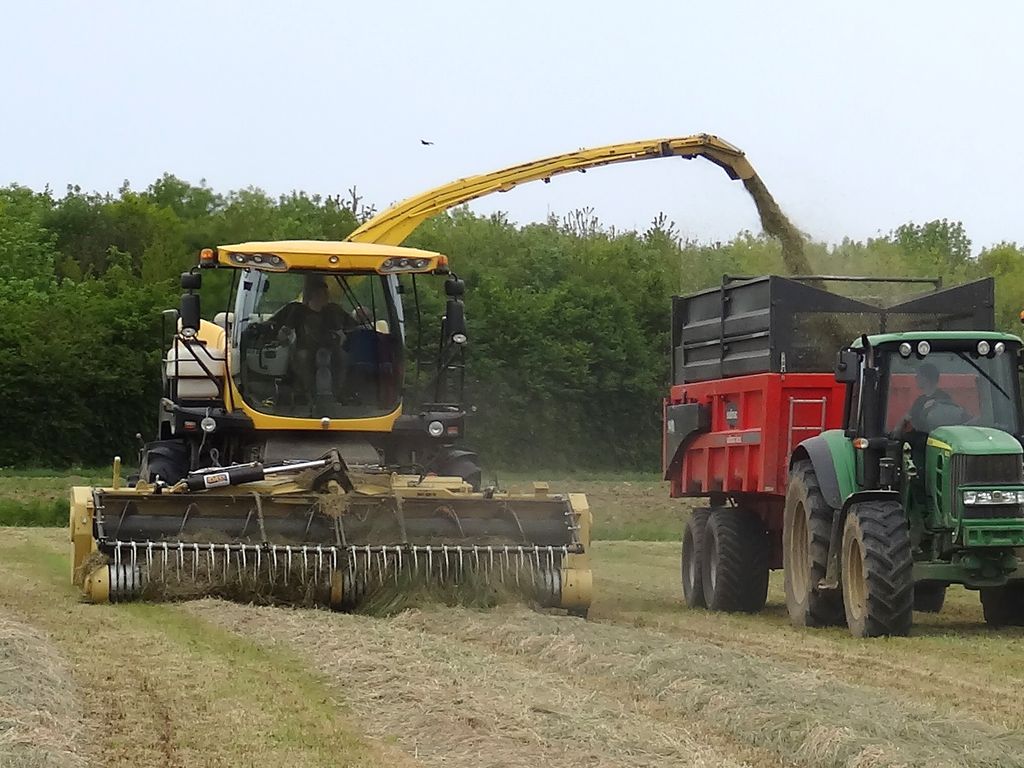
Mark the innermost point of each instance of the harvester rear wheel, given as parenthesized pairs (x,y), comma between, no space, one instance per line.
(807,530)
(878,569)
(929,596)
(1003,606)
(693,557)
(734,571)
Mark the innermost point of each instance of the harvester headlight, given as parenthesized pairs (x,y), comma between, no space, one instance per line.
(984,348)
(1000,347)
(208,425)
(459,338)
(906,349)
(923,348)
(239,258)
(435,428)
(403,264)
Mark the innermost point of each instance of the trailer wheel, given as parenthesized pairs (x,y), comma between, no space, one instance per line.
(806,532)
(878,570)
(734,571)
(693,557)
(1003,606)
(929,596)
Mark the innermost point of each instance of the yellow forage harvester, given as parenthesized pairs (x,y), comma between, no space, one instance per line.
(289,466)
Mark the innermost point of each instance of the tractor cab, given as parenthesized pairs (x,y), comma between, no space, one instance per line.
(912,384)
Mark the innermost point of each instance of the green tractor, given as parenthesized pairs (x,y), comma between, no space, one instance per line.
(922,487)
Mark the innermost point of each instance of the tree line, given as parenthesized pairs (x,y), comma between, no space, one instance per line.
(569,319)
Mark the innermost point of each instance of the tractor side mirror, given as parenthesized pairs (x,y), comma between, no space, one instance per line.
(848,366)
(191,281)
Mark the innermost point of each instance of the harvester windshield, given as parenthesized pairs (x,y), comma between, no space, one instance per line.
(950,387)
(314,344)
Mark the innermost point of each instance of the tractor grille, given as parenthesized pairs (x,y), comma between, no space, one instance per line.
(992,512)
(999,468)
(988,470)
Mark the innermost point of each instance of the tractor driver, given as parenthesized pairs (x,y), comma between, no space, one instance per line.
(929,401)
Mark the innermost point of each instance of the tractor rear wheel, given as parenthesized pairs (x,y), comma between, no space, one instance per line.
(734,573)
(929,596)
(878,569)
(1003,606)
(806,533)
(693,557)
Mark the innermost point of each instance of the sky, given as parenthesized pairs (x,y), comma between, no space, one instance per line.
(858,116)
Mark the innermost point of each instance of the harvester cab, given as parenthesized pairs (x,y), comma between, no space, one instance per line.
(310,354)
(289,466)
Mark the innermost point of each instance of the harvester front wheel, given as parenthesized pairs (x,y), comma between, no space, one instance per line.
(1003,606)
(878,570)
(929,596)
(734,571)
(693,557)
(806,532)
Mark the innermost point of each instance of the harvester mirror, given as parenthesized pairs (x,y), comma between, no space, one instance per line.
(189,313)
(191,281)
(848,367)
(455,287)
(455,321)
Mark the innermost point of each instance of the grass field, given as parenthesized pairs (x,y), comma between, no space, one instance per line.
(644,682)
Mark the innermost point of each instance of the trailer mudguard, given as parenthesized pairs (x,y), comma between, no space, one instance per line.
(682,423)
(831,455)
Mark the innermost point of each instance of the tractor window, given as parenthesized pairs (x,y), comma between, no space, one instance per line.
(947,388)
(316,344)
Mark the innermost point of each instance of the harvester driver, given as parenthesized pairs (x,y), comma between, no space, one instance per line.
(313,327)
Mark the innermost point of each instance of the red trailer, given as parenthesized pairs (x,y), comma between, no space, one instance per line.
(753,372)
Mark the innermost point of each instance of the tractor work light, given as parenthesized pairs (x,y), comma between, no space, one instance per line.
(905,349)
(984,348)
(923,348)
(988,498)
(435,428)
(1000,347)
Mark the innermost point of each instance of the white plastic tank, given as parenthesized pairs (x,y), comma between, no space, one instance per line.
(194,370)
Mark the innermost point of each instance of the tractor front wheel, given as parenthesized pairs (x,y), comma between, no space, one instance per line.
(878,569)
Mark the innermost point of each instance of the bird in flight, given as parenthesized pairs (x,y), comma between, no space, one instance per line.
(426,143)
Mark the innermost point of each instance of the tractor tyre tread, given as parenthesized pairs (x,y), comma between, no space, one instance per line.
(1003,606)
(929,597)
(888,569)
